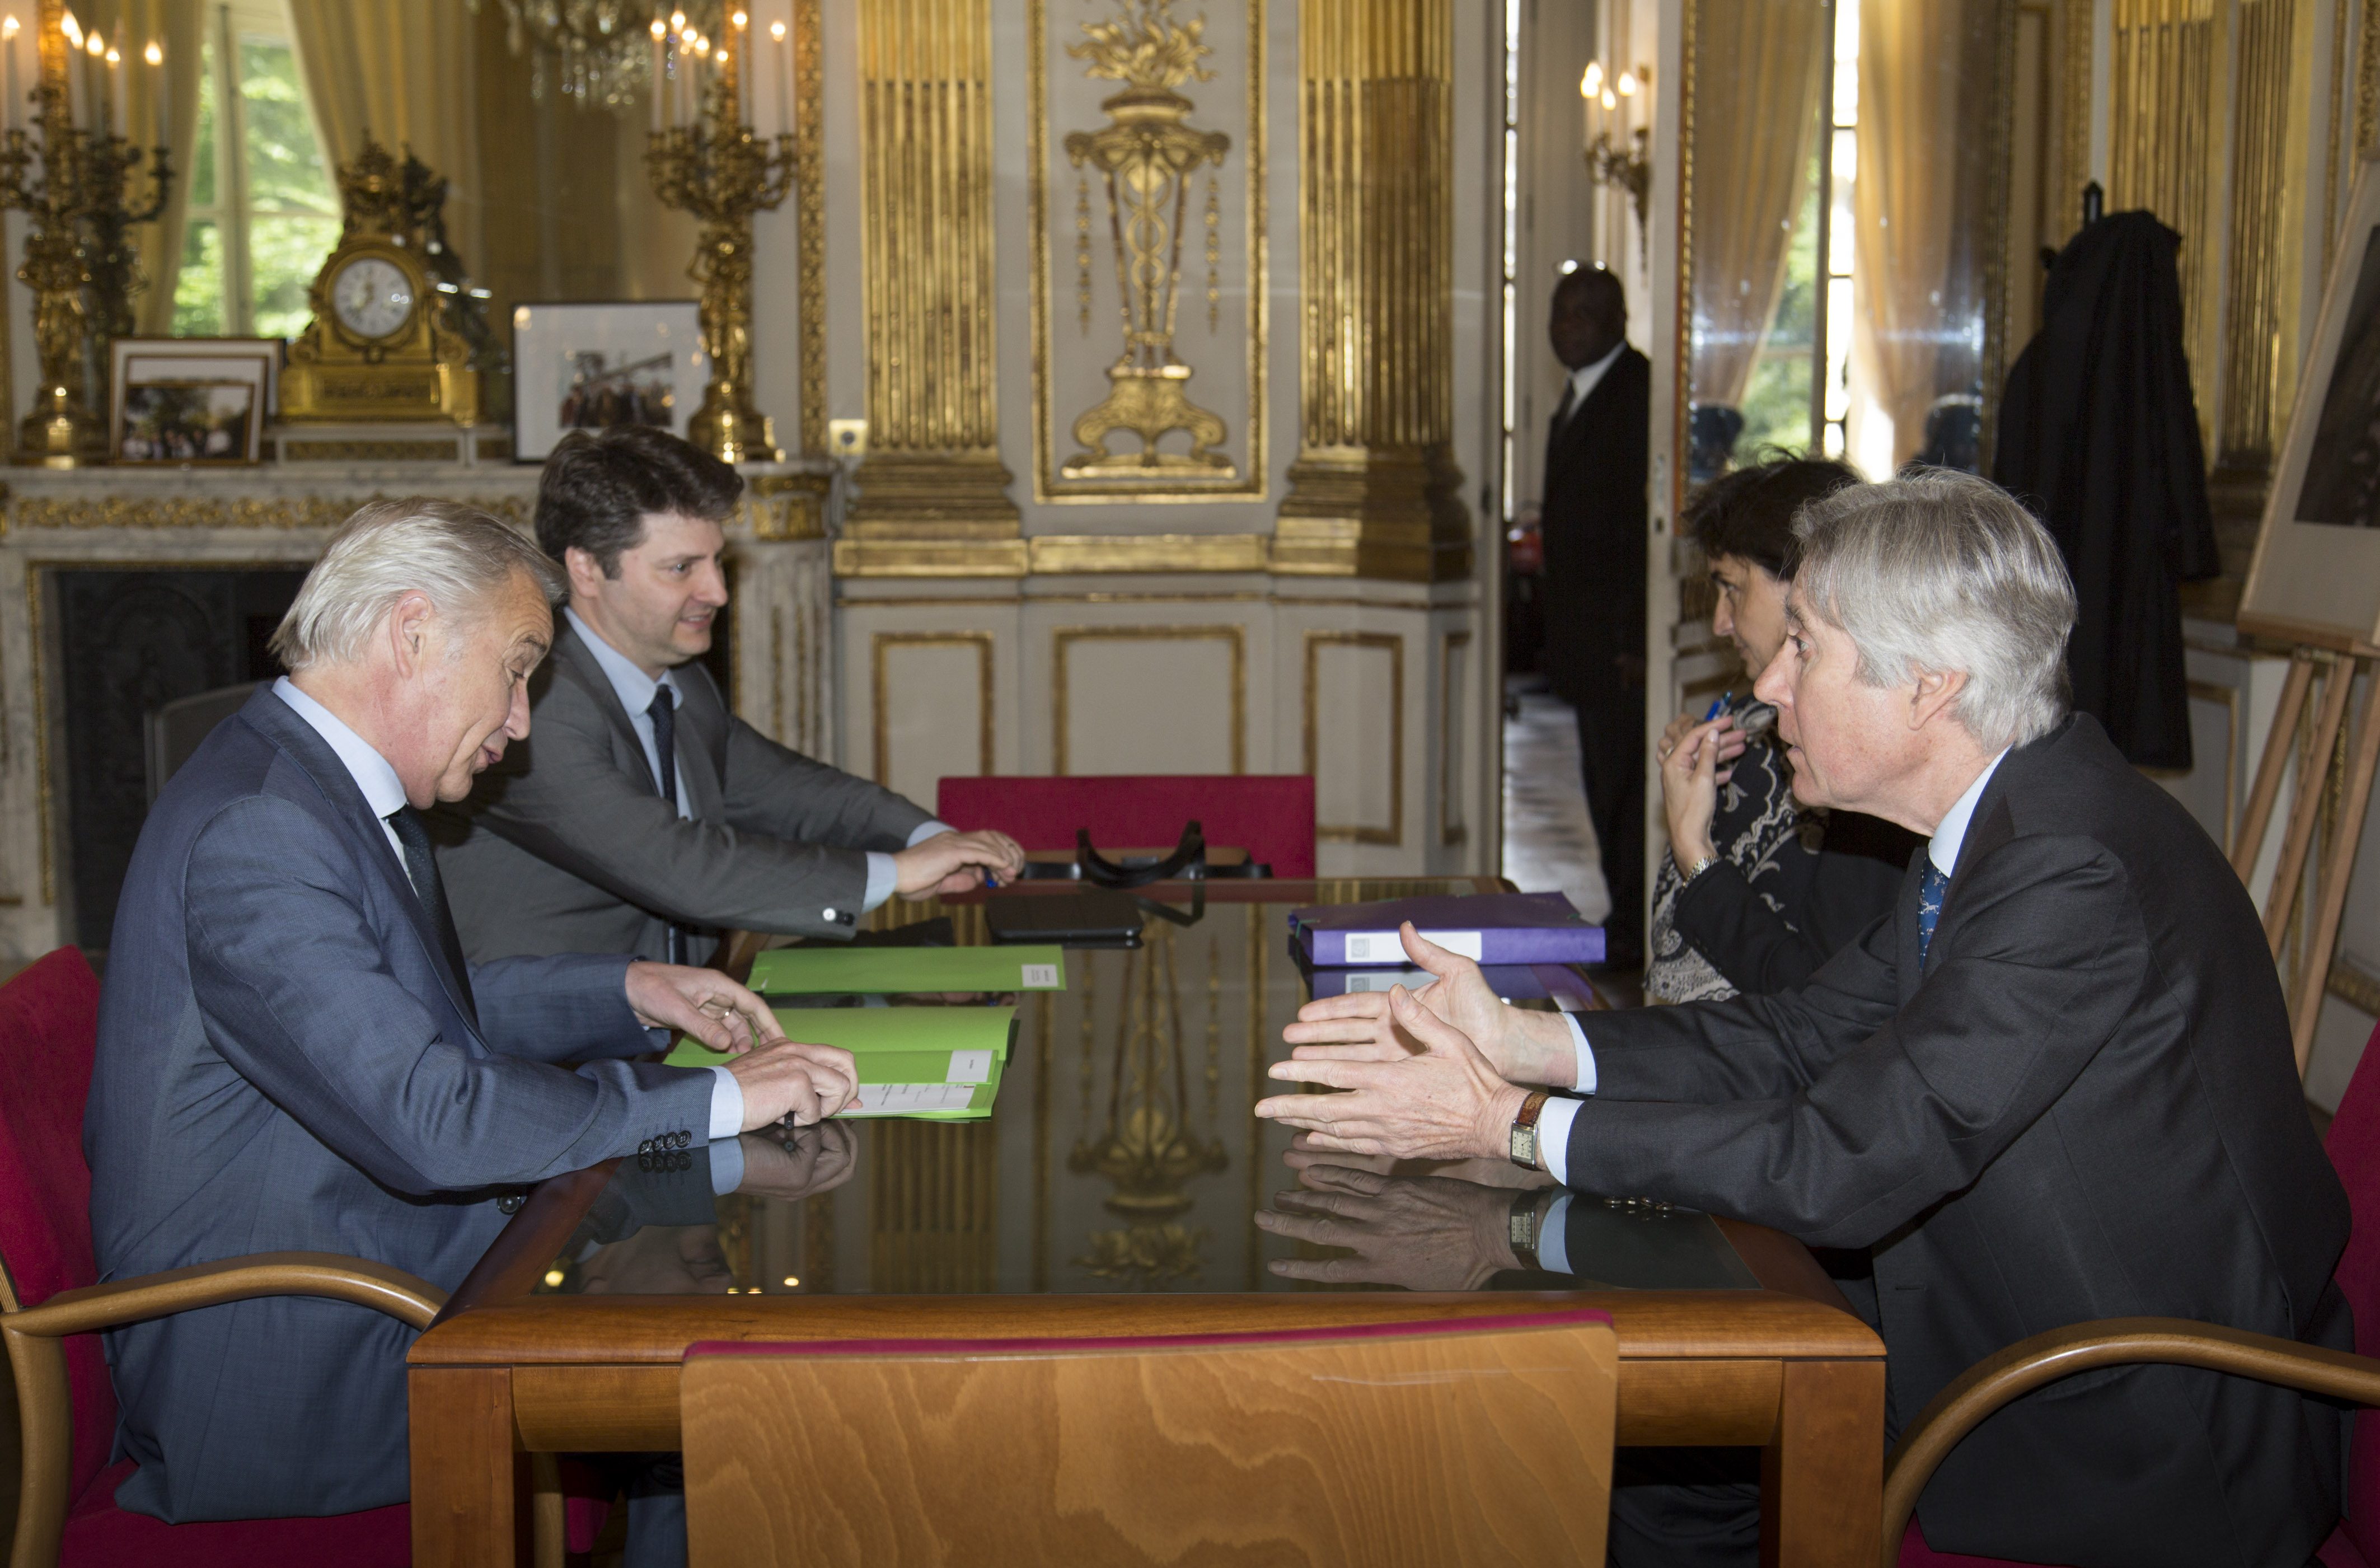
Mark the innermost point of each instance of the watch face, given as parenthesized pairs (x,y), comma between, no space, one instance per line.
(371,297)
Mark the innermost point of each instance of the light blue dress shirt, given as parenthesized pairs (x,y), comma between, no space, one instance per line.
(1554,1121)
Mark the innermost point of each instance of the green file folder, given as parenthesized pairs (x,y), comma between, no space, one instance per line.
(916,1058)
(810,971)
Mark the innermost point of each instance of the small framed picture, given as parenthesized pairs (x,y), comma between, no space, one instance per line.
(191,399)
(589,366)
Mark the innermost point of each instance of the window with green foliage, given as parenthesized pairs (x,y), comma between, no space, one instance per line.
(263,210)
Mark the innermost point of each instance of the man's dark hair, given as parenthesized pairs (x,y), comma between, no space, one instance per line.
(1599,291)
(600,485)
(1749,512)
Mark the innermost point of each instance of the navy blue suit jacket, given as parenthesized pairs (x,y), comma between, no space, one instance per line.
(284,1064)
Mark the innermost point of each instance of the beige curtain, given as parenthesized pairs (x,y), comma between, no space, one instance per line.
(176,25)
(1907,197)
(402,70)
(1759,65)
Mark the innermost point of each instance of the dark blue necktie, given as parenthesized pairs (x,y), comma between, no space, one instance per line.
(1930,888)
(663,713)
(421,869)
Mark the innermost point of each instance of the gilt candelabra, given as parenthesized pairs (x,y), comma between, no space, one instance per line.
(718,169)
(79,257)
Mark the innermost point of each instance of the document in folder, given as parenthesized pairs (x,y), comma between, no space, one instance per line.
(942,1062)
(812,971)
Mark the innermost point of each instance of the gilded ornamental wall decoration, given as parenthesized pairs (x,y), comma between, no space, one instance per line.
(1147,159)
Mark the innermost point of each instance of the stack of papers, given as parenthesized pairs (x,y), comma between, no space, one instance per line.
(940,1063)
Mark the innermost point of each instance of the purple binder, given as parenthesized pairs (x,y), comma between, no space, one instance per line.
(1492,927)
(1514,982)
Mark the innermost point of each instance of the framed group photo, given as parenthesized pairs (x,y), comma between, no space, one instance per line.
(590,365)
(2317,576)
(197,400)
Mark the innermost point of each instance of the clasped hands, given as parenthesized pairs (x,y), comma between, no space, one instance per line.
(782,1079)
(1432,1074)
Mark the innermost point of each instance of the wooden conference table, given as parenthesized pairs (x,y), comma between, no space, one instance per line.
(1113,1191)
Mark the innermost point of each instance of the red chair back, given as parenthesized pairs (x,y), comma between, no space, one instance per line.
(49,1029)
(2354,1148)
(1269,815)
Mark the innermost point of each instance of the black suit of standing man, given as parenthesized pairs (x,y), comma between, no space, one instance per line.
(1594,528)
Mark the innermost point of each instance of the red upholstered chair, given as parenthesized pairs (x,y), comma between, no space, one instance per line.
(51,1309)
(1269,815)
(1431,1444)
(2354,1148)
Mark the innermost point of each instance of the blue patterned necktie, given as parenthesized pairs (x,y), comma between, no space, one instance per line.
(663,713)
(1930,888)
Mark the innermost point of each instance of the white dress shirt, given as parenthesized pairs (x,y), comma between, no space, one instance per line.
(635,690)
(1584,380)
(1554,1121)
(384,793)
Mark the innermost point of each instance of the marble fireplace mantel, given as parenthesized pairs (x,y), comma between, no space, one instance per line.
(278,516)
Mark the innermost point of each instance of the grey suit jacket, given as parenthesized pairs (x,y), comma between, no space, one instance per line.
(284,1064)
(2084,1106)
(566,847)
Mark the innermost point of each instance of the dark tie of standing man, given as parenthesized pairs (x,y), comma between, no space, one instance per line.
(663,713)
(421,867)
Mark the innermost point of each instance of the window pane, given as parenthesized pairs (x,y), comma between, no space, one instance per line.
(199,287)
(283,254)
(284,166)
(201,165)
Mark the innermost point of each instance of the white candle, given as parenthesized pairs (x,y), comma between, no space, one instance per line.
(95,63)
(658,78)
(119,108)
(784,78)
(10,27)
(160,97)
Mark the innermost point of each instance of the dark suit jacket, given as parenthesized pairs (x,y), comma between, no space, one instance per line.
(2087,1109)
(284,1064)
(1593,517)
(564,847)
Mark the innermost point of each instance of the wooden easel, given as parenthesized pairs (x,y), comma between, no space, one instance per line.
(2296,718)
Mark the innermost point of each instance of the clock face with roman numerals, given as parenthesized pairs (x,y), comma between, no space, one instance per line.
(373,298)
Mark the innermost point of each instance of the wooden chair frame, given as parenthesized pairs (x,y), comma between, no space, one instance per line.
(39,1359)
(2112,1342)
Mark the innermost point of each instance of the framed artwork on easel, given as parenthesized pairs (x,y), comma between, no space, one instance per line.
(2317,576)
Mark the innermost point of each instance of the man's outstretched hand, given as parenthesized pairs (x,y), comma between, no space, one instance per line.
(1523,1047)
(955,862)
(1444,1101)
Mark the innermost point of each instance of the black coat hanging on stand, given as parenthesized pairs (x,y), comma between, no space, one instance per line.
(2098,436)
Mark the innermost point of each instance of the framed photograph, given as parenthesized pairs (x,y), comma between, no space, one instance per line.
(2316,576)
(579,366)
(202,400)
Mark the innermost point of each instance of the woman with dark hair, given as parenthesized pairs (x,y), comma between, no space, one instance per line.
(1757,891)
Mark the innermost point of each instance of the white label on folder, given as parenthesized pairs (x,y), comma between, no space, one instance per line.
(1040,977)
(892,1100)
(1387,947)
(970,1067)
(1381,979)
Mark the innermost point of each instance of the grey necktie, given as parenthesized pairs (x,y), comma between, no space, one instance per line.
(663,713)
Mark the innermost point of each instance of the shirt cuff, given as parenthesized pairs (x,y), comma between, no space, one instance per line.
(1553,1135)
(1585,1081)
(926,830)
(727,1166)
(1553,1236)
(726,1105)
(882,878)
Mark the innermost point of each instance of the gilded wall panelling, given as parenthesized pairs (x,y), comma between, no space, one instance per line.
(1137,322)
(921,692)
(809,217)
(2367,82)
(2169,101)
(933,494)
(1366,719)
(1374,490)
(2261,196)
(1152,711)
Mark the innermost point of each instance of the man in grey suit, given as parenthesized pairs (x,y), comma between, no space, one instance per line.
(2055,1084)
(293,1054)
(645,816)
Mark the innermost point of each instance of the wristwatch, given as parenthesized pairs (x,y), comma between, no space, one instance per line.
(1702,863)
(1520,1227)
(1523,1145)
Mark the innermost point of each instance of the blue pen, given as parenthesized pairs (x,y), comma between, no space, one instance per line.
(1719,706)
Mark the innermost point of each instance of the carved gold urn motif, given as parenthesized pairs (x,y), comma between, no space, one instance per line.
(1146,156)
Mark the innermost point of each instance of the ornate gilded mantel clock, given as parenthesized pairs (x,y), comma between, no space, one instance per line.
(384,343)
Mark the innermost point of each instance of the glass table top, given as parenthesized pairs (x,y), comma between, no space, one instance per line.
(1120,1155)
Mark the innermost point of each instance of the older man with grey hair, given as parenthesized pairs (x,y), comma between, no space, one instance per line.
(2055,1084)
(294,1057)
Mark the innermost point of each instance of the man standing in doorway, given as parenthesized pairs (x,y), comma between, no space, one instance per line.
(1594,528)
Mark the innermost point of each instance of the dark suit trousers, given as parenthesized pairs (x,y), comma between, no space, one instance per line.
(1611,757)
